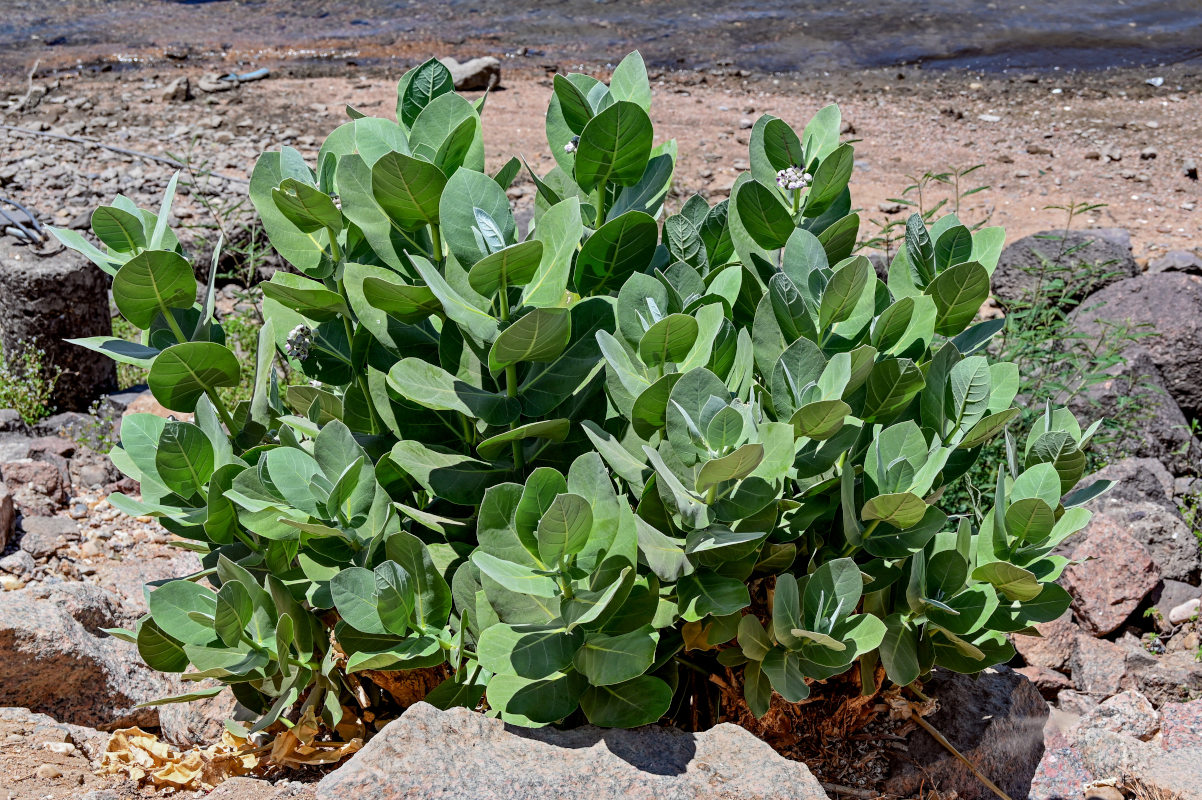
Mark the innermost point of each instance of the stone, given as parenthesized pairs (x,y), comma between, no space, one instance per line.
(1049,682)
(1053,648)
(40,728)
(1184,612)
(1098,666)
(178,90)
(994,719)
(1176,261)
(51,664)
(198,722)
(1077,703)
(19,563)
(1112,575)
(1060,775)
(1022,263)
(1103,792)
(1181,725)
(14,447)
(433,754)
(1145,766)
(1136,479)
(476,73)
(38,487)
(255,789)
(11,422)
(49,772)
(1127,712)
(48,300)
(1159,527)
(1159,431)
(8,516)
(1169,303)
(1170,677)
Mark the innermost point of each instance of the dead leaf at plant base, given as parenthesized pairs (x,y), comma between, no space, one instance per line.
(146,760)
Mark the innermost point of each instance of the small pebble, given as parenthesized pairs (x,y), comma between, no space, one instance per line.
(49,772)
(1185,612)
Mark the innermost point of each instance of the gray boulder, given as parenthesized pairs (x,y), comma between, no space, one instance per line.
(1176,261)
(1153,426)
(432,754)
(52,664)
(1140,504)
(48,300)
(995,719)
(1031,263)
(1168,304)
(478,73)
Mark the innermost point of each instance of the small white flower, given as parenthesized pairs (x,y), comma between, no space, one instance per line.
(570,147)
(793,178)
(299,340)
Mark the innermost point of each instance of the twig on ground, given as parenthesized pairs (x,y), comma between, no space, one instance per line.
(939,737)
(122,150)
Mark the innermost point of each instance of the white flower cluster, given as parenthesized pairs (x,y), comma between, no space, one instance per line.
(570,147)
(299,340)
(792,178)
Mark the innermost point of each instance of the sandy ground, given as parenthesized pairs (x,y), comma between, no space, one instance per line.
(1044,141)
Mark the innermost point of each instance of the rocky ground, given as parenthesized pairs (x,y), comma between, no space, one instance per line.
(1109,697)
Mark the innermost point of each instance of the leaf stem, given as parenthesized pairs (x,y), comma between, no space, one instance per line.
(222,411)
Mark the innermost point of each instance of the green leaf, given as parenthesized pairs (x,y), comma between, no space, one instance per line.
(409,304)
(153,282)
(465,193)
(899,651)
(954,246)
(1014,582)
(306,207)
(622,246)
(426,82)
(614,147)
(540,335)
(763,215)
(902,510)
(529,651)
(304,296)
(185,458)
(432,387)
(732,467)
(704,593)
(451,476)
(843,292)
(234,611)
(515,265)
(160,651)
(668,340)
(555,430)
(408,189)
(354,592)
(515,577)
(560,230)
(394,597)
(830,180)
(781,145)
(890,387)
(573,105)
(640,701)
(481,325)
(119,229)
(629,81)
(564,527)
(958,294)
(182,373)
(522,701)
(821,419)
(607,660)
(172,605)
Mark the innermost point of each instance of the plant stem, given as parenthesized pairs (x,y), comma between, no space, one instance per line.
(436,242)
(600,206)
(174,325)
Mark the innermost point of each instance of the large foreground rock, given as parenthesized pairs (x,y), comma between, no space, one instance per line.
(1111,575)
(1031,263)
(1169,304)
(51,663)
(432,754)
(996,720)
(48,300)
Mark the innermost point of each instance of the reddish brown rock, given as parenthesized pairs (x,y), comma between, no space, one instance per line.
(1115,574)
(1053,648)
(1098,666)
(1049,682)
(1181,725)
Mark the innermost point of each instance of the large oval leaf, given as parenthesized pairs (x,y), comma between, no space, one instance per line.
(183,372)
(614,147)
(540,335)
(153,282)
(617,249)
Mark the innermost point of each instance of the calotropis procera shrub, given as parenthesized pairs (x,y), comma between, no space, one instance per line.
(558,468)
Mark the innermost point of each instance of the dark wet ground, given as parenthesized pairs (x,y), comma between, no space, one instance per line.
(760,35)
